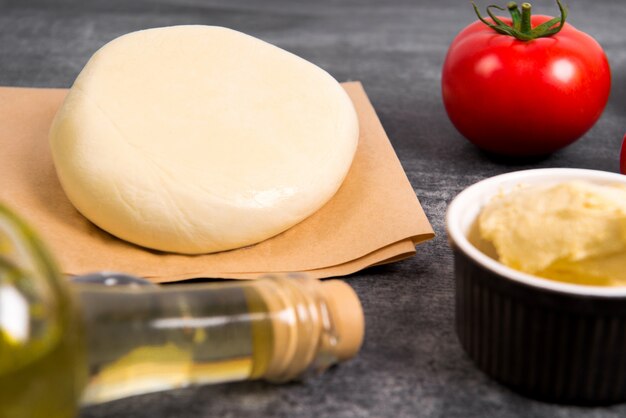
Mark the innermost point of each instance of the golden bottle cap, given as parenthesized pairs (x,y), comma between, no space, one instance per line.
(347,314)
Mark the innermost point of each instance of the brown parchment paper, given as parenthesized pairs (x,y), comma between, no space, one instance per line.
(374,218)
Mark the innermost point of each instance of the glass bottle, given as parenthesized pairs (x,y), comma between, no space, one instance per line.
(88,343)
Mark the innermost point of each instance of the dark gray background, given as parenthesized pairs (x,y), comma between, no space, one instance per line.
(411,363)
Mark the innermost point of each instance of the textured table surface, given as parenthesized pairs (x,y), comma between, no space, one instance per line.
(411,363)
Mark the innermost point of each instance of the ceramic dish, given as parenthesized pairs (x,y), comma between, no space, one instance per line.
(550,340)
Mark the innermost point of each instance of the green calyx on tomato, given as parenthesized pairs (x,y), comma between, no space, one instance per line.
(521,27)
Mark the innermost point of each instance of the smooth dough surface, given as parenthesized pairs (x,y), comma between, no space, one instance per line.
(196,139)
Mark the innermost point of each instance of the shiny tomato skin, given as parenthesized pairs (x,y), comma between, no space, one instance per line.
(622,159)
(522,98)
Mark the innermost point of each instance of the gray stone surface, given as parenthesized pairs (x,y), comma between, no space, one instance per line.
(411,363)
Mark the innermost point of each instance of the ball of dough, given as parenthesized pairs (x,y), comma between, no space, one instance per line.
(196,139)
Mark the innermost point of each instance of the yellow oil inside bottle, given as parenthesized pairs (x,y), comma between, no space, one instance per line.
(150,341)
(44,386)
(41,355)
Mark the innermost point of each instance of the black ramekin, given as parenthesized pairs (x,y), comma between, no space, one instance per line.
(548,340)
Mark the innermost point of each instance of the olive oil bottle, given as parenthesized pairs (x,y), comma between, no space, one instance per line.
(42,363)
(93,343)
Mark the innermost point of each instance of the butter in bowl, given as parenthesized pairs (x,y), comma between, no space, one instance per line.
(540,294)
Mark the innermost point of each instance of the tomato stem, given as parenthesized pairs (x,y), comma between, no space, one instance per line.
(515,15)
(526,12)
(521,28)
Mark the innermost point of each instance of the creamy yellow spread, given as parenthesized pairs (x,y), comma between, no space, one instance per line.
(572,231)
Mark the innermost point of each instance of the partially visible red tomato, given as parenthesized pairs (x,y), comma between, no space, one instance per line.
(516,97)
(622,159)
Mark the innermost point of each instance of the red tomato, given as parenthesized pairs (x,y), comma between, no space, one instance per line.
(622,159)
(524,98)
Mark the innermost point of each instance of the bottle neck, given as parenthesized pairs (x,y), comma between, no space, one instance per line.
(303,331)
(142,340)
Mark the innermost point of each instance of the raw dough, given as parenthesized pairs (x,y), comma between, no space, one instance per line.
(195,139)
